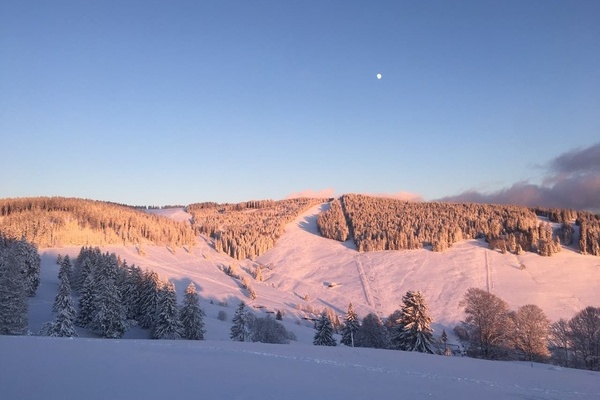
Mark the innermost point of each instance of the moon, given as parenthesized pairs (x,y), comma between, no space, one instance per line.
(378,76)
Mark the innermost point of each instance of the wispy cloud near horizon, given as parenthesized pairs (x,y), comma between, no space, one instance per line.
(572,180)
(318,194)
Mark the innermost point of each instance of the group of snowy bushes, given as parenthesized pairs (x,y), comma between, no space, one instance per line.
(249,328)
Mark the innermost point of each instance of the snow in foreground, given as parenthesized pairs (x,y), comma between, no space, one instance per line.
(52,368)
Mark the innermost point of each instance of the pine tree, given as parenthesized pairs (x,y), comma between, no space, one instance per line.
(192,316)
(240,330)
(167,324)
(81,272)
(13,292)
(63,325)
(29,261)
(414,332)
(351,326)
(324,332)
(86,306)
(64,293)
(372,333)
(149,299)
(109,317)
(66,268)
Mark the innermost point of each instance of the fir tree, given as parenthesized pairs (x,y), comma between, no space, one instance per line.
(109,318)
(81,272)
(192,316)
(131,286)
(63,325)
(351,326)
(28,259)
(86,306)
(414,332)
(66,268)
(13,292)
(324,333)
(372,333)
(64,293)
(167,324)
(149,299)
(240,330)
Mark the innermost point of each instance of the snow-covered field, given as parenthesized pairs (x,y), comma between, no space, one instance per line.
(307,271)
(56,368)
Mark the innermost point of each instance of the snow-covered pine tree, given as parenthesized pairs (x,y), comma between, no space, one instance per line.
(192,316)
(86,306)
(81,272)
(148,301)
(29,261)
(66,268)
(167,324)
(13,291)
(63,325)
(414,332)
(372,333)
(240,330)
(131,282)
(351,325)
(324,332)
(64,292)
(109,315)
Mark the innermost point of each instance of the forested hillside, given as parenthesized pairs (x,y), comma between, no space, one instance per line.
(389,224)
(59,221)
(246,229)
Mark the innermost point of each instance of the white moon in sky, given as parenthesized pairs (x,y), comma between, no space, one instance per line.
(378,76)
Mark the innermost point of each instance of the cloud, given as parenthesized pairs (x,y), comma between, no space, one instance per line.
(319,194)
(579,161)
(572,181)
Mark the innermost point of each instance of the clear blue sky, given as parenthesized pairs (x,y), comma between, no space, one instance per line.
(165,102)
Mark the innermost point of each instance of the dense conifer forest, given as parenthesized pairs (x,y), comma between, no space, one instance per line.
(389,224)
(249,229)
(59,221)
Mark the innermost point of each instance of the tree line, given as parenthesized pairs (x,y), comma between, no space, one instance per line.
(19,280)
(59,221)
(249,229)
(389,224)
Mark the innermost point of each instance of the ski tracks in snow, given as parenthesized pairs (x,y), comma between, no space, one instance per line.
(364,283)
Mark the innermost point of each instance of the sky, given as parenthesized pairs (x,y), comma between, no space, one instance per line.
(175,102)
